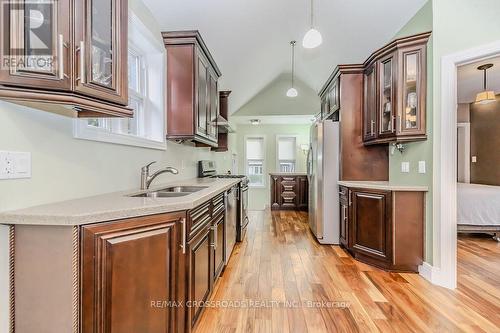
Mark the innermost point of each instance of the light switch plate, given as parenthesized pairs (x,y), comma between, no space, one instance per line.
(421,166)
(405,167)
(15,165)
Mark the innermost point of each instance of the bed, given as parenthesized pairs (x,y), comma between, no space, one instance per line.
(478,208)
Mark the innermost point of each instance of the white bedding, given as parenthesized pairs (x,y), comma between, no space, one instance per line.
(478,204)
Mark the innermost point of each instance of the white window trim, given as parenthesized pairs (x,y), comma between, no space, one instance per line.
(264,164)
(278,136)
(81,130)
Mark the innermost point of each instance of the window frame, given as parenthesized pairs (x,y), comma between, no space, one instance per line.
(264,164)
(278,165)
(148,135)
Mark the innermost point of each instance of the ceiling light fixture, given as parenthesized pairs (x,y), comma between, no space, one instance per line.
(255,121)
(485,96)
(313,37)
(292,92)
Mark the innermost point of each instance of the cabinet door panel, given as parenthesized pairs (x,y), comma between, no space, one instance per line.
(202,101)
(372,224)
(200,273)
(218,247)
(303,192)
(213,106)
(101,49)
(411,120)
(344,224)
(370,104)
(127,265)
(386,108)
(35,52)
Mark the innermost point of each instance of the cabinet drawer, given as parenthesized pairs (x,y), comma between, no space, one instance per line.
(218,205)
(198,217)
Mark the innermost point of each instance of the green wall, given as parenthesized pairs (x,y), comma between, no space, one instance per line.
(260,197)
(419,151)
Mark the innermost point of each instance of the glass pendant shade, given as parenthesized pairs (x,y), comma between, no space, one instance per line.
(485,97)
(292,92)
(312,39)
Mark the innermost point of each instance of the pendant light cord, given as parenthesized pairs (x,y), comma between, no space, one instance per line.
(312,14)
(484,82)
(293,61)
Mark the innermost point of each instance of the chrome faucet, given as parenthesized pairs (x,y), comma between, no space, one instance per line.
(146,178)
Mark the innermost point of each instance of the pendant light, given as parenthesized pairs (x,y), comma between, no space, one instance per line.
(292,92)
(485,96)
(313,37)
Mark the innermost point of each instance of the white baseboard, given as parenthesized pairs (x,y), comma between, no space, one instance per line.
(425,270)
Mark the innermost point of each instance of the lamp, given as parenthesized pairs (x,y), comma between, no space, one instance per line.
(312,38)
(485,96)
(292,92)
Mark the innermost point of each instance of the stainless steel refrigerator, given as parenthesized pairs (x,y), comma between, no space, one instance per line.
(323,175)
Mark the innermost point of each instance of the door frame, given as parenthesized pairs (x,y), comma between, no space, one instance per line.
(444,272)
(466,150)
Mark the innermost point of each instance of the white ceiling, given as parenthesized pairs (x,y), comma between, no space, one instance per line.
(470,79)
(249,39)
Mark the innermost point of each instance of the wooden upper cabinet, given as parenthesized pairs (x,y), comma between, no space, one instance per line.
(330,99)
(192,89)
(73,61)
(127,265)
(395,92)
(101,51)
(370,104)
(387,91)
(39,57)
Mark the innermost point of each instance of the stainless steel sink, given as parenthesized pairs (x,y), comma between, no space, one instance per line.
(171,192)
(183,189)
(161,194)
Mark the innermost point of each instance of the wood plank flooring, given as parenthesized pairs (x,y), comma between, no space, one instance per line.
(281,262)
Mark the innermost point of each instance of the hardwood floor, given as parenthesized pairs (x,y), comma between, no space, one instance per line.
(280,261)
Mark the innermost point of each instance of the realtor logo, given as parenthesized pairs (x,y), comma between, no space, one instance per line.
(30,41)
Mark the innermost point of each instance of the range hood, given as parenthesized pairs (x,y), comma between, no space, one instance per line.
(223,125)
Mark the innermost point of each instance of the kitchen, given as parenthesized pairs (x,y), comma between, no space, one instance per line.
(104,231)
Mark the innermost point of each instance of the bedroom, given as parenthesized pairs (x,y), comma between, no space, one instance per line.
(478,170)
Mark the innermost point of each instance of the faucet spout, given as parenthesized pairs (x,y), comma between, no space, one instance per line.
(147,179)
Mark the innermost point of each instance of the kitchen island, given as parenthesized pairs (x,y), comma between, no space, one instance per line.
(108,261)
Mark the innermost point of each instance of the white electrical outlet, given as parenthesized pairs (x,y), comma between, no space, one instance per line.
(421,166)
(405,167)
(15,165)
(474,159)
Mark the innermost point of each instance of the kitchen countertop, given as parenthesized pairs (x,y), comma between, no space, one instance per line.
(383,185)
(288,173)
(117,205)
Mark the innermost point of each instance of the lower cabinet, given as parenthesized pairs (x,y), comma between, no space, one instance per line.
(289,192)
(125,267)
(383,228)
(218,246)
(199,272)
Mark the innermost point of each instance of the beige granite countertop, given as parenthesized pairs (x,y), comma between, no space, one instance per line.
(383,185)
(117,205)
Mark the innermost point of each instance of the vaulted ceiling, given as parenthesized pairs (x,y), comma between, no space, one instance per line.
(249,39)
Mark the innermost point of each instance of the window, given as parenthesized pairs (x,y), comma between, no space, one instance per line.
(286,150)
(145,80)
(255,154)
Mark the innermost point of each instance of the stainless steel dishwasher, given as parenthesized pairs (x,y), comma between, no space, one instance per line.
(231,215)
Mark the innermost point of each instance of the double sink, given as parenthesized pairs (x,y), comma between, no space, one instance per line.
(171,192)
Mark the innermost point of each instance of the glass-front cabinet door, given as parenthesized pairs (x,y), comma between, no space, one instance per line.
(213,94)
(410,119)
(386,96)
(370,104)
(202,103)
(35,44)
(101,49)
